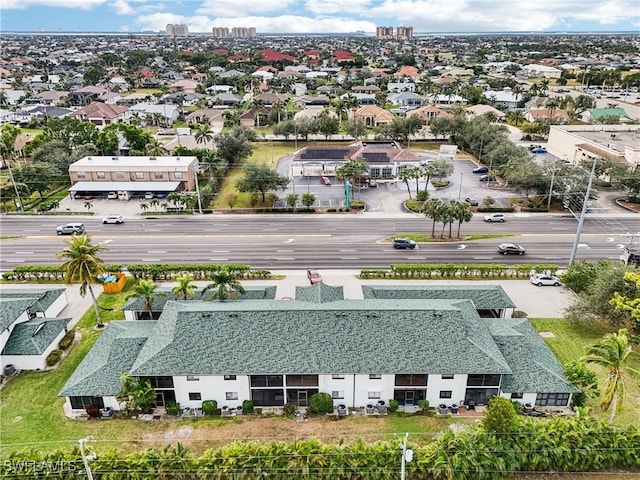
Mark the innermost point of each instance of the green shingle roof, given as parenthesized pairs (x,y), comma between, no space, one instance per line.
(34,336)
(482,296)
(347,336)
(535,368)
(267,292)
(43,299)
(319,293)
(11,309)
(111,356)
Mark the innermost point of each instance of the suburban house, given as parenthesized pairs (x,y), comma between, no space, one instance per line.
(129,176)
(383,159)
(481,109)
(372,115)
(102,114)
(29,327)
(504,98)
(359,351)
(86,95)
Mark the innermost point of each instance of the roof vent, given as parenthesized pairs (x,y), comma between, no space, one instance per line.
(114,158)
(89,158)
(152,158)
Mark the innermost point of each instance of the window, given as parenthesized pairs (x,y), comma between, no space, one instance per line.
(515,395)
(229,377)
(81,174)
(195,396)
(266,381)
(411,379)
(120,175)
(374,395)
(84,402)
(231,395)
(177,175)
(483,380)
(375,376)
(159,382)
(552,399)
(302,380)
(447,377)
(139,175)
(337,377)
(100,175)
(337,394)
(158,175)
(445,393)
(191,378)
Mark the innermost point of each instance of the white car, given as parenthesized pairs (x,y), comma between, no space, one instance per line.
(113,219)
(542,279)
(495,217)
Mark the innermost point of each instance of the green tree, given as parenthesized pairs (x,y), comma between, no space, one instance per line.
(37,175)
(225,284)
(350,170)
(581,377)
(235,144)
(185,288)
(291,200)
(148,292)
(83,266)
(431,209)
(500,417)
(155,148)
(308,199)
(613,353)
(405,175)
(629,302)
(204,134)
(262,179)
(137,395)
(461,212)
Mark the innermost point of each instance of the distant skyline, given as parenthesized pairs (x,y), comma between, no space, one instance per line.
(322,16)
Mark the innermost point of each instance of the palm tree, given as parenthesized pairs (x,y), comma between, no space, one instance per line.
(431,209)
(155,147)
(405,175)
(83,266)
(461,212)
(612,352)
(225,284)
(203,134)
(185,288)
(148,291)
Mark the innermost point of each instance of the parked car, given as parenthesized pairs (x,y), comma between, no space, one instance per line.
(495,217)
(118,219)
(511,249)
(486,178)
(471,201)
(404,243)
(148,196)
(112,196)
(314,276)
(70,229)
(563,90)
(481,170)
(539,150)
(543,279)
(325,181)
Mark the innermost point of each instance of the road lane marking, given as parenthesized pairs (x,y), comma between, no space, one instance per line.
(222,251)
(23,253)
(156,251)
(15,261)
(347,251)
(150,259)
(219,259)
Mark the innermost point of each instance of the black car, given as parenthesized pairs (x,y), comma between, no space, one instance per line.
(404,243)
(511,249)
(481,170)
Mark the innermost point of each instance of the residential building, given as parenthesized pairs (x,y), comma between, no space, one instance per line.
(505,98)
(102,114)
(405,347)
(404,33)
(177,30)
(243,32)
(30,328)
(131,176)
(384,32)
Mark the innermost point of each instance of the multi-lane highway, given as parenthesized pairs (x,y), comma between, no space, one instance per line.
(323,241)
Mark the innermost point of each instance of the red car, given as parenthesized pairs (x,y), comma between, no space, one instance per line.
(314,277)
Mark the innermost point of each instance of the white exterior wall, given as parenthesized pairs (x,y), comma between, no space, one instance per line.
(364,385)
(211,387)
(32,362)
(436,384)
(129,315)
(327,384)
(526,398)
(57,306)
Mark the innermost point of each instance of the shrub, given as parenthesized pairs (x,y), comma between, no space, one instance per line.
(440,183)
(173,408)
(290,409)
(393,405)
(500,416)
(247,406)
(320,403)
(67,340)
(519,314)
(517,406)
(422,195)
(209,407)
(54,357)
(423,404)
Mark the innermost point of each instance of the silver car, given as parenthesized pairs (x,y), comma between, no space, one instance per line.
(543,279)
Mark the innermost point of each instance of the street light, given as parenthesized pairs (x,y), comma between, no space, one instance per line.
(460,188)
(196,169)
(85,458)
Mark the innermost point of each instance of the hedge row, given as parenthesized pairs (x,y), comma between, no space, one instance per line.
(199,271)
(459,270)
(495,209)
(557,445)
(45,272)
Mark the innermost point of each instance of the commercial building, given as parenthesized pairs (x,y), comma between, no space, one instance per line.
(177,30)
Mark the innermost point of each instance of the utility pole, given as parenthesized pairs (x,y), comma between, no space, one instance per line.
(553,174)
(15,187)
(407,456)
(460,189)
(196,169)
(85,458)
(583,213)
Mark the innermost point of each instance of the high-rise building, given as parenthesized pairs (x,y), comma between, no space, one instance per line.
(404,33)
(177,30)
(220,32)
(384,32)
(243,32)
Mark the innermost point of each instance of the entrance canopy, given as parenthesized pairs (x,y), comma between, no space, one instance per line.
(125,186)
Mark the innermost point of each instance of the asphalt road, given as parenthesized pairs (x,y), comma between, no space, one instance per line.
(322,241)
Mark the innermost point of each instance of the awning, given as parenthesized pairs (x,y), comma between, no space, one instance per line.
(125,187)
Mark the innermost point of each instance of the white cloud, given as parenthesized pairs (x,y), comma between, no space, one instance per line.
(122,7)
(22,4)
(327,7)
(240,8)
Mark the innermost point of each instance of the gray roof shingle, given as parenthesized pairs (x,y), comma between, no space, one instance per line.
(319,293)
(34,336)
(482,296)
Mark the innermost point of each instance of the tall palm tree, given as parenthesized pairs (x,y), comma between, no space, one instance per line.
(461,212)
(148,291)
(185,289)
(431,209)
(83,266)
(225,284)
(155,148)
(405,175)
(203,134)
(612,353)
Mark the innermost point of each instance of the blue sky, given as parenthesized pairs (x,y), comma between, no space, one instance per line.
(322,16)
